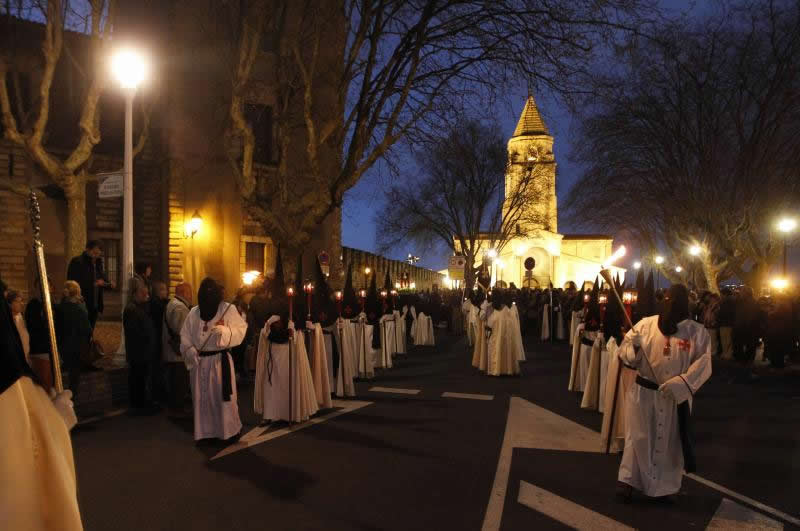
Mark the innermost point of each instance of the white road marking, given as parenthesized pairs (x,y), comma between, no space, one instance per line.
(749,501)
(531,426)
(395,390)
(250,439)
(469,396)
(568,513)
(731,515)
(252,434)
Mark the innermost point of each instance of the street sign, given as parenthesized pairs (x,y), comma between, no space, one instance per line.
(110,185)
(530,263)
(455,267)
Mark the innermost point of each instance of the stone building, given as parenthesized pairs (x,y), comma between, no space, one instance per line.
(559,258)
(184,169)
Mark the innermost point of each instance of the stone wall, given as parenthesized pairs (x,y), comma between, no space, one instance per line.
(424,279)
(15,234)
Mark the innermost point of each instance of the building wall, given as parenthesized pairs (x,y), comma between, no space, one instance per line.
(424,279)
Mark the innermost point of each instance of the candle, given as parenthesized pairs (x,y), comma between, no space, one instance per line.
(290,294)
(309,290)
(338,296)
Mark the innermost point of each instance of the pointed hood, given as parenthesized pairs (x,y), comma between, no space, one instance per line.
(577,302)
(530,121)
(613,318)
(594,315)
(323,309)
(279,284)
(372,305)
(387,285)
(650,290)
(350,304)
(299,303)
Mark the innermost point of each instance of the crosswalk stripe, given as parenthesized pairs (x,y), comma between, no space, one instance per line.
(731,515)
(561,509)
(469,396)
(395,390)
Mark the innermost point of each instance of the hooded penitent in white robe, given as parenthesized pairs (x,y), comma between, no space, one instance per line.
(545,322)
(37,491)
(618,381)
(520,349)
(388,341)
(653,458)
(469,331)
(577,317)
(581,357)
(593,383)
(424,329)
(213,415)
(347,345)
(366,354)
(413,323)
(503,355)
(400,331)
(273,387)
(319,365)
(480,354)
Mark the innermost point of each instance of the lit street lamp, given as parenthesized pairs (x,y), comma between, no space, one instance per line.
(130,69)
(786,225)
(637,265)
(678,269)
(659,260)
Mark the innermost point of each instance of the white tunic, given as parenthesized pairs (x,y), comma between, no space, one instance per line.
(520,349)
(400,331)
(388,341)
(424,331)
(480,354)
(581,358)
(503,355)
(466,311)
(345,334)
(213,417)
(366,354)
(618,381)
(273,388)
(653,459)
(545,322)
(594,381)
(319,365)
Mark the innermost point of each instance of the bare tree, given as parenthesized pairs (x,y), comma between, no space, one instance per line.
(695,139)
(28,125)
(394,72)
(461,198)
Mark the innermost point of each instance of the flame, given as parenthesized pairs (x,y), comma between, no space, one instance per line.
(619,253)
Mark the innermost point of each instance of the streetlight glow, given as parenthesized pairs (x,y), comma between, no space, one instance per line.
(659,259)
(637,264)
(787,224)
(492,253)
(779,283)
(694,250)
(129,67)
(678,269)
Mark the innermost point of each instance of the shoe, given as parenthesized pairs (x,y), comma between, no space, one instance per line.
(624,492)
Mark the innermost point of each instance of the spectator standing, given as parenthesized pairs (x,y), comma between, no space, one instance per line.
(87,270)
(73,332)
(725,318)
(140,346)
(159,297)
(177,376)
(746,328)
(36,321)
(16,304)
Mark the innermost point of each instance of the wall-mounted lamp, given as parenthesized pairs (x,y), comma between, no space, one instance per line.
(194,225)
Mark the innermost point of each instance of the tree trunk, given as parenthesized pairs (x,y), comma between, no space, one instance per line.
(469,273)
(76,218)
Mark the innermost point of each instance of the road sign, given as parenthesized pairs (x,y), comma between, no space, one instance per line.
(110,185)
(455,267)
(530,263)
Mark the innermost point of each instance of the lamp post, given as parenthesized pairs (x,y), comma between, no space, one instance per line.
(130,69)
(786,225)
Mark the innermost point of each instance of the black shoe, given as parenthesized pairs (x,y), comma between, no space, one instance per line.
(624,493)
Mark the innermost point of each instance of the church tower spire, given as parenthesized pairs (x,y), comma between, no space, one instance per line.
(530,148)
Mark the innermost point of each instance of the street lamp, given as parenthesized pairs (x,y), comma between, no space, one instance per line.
(130,69)
(637,265)
(659,259)
(779,283)
(694,250)
(786,225)
(678,269)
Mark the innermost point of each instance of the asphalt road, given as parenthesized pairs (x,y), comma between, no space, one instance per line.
(411,458)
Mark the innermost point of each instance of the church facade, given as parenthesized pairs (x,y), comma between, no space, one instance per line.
(558,258)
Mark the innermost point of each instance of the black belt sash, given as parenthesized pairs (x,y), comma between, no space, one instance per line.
(227,388)
(586,341)
(684,427)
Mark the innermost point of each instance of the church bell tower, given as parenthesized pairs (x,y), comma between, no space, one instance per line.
(531,149)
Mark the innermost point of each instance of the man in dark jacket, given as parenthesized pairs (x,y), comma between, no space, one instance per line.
(87,271)
(140,346)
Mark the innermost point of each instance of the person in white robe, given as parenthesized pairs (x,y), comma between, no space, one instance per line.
(466,311)
(388,340)
(319,365)
(210,330)
(588,334)
(545,336)
(503,355)
(284,388)
(593,382)
(515,322)
(480,356)
(366,354)
(38,491)
(619,379)
(424,335)
(672,357)
(400,329)
(347,346)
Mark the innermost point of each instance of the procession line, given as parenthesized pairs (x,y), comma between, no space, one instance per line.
(469,396)
(394,390)
(746,499)
(348,406)
(565,511)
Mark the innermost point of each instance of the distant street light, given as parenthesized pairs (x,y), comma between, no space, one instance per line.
(786,225)
(637,265)
(678,269)
(130,69)
(779,283)
(659,259)
(694,250)
(492,253)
